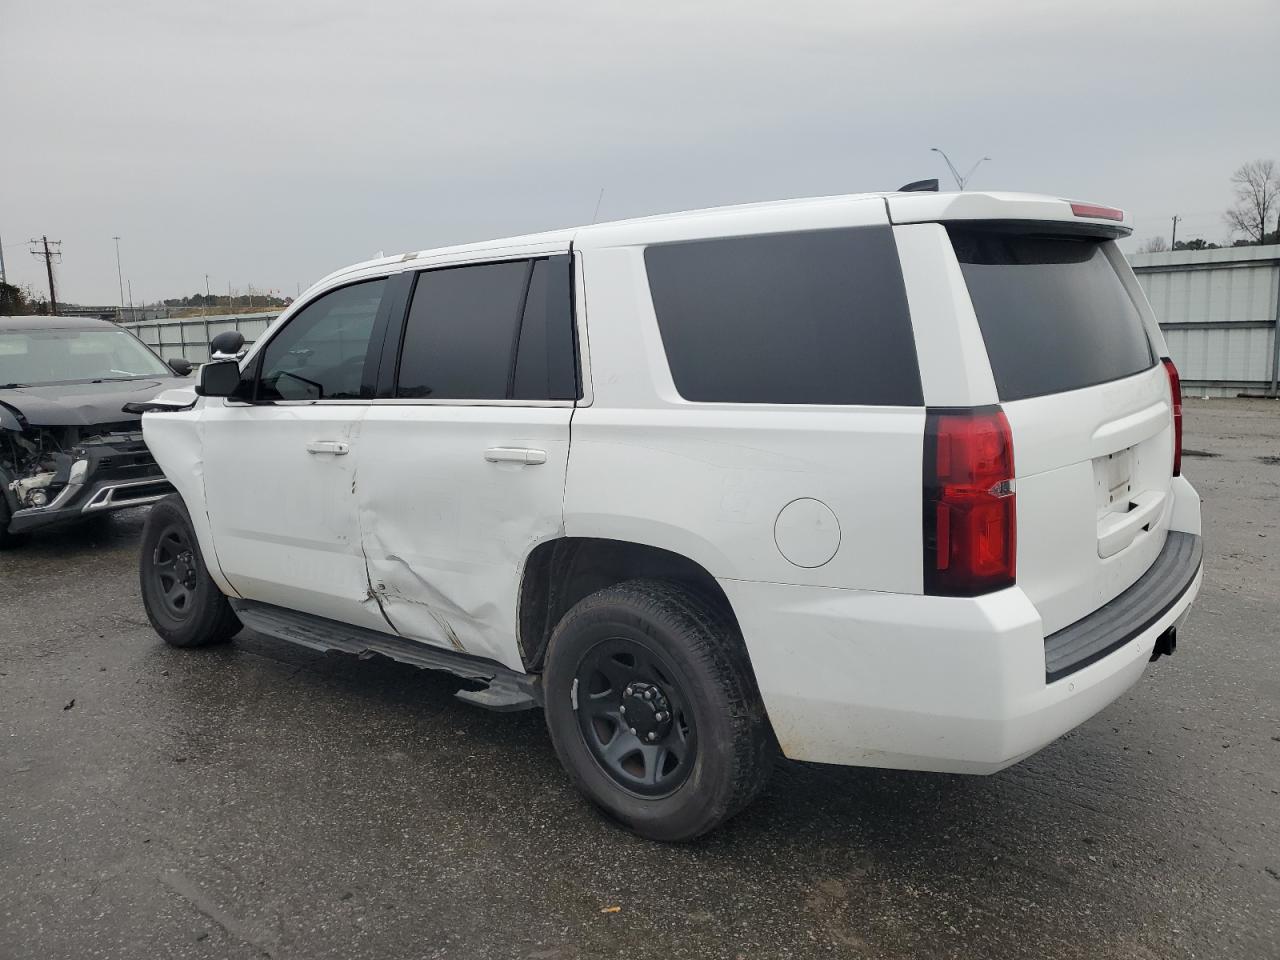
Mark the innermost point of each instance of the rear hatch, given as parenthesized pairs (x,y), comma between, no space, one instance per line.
(1078,374)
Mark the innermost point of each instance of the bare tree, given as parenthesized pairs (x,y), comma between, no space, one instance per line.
(1257,189)
(1154,245)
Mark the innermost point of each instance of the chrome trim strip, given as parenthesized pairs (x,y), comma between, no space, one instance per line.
(106,498)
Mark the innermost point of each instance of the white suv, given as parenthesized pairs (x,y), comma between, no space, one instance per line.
(710,486)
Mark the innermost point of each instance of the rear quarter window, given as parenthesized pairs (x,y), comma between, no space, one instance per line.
(1053,312)
(813,317)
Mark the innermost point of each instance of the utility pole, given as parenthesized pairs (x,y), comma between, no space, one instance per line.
(2,275)
(40,248)
(119,276)
(961,182)
(230,308)
(207,295)
(132,314)
(1174,241)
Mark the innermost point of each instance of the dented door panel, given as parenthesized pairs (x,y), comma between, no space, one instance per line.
(447,524)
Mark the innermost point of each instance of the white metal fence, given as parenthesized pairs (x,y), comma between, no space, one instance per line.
(1219,310)
(190,336)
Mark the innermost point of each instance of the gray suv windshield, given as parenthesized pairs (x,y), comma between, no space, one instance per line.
(36,357)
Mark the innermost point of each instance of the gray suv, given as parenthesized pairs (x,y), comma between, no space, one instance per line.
(68,449)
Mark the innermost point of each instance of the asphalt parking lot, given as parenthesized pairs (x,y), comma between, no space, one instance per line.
(261,800)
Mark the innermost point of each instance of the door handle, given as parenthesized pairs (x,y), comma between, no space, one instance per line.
(525,455)
(335,448)
(1117,530)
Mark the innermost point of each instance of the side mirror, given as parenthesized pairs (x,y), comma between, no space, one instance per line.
(180,365)
(219,378)
(228,343)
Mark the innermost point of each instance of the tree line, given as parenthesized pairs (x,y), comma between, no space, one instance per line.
(15,303)
(1255,187)
(202,300)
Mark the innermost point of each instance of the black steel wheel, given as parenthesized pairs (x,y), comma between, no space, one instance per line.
(653,708)
(174,569)
(635,717)
(182,602)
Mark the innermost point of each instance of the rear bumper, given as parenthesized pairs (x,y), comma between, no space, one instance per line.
(934,683)
(1113,625)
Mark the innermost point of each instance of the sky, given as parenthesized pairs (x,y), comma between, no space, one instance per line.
(268,143)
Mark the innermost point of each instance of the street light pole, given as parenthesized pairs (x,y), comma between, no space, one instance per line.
(961,182)
(119,276)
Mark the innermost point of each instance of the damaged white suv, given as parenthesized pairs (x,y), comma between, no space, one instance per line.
(889,480)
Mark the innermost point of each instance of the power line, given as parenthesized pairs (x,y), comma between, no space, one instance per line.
(41,249)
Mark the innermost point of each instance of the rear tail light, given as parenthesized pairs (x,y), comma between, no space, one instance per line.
(1175,398)
(970,519)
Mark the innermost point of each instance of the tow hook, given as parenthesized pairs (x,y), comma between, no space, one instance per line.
(1166,643)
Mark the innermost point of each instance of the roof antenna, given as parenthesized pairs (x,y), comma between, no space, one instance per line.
(597,210)
(920,186)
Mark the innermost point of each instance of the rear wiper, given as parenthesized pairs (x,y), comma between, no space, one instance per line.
(13,386)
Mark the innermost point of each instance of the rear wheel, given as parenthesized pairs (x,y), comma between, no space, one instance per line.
(654,711)
(183,603)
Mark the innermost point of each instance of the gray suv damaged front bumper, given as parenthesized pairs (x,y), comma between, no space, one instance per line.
(100,477)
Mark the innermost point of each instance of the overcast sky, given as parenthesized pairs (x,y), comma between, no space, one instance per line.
(268,143)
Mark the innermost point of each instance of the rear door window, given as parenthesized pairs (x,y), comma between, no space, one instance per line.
(492,331)
(1053,311)
(813,317)
(545,361)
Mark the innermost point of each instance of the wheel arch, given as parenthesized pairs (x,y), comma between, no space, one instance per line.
(558,573)
(203,531)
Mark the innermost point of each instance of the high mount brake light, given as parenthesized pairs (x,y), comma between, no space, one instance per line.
(970,507)
(1175,398)
(1096,212)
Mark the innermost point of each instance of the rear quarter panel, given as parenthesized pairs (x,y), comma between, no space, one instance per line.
(708,480)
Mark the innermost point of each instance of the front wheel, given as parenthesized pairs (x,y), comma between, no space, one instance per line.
(183,603)
(654,711)
(8,539)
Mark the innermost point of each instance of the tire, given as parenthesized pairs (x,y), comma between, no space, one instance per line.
(690,754)
(183,603)
(8,540)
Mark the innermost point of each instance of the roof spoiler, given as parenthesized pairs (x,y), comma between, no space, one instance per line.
(1012,209)
(920,186)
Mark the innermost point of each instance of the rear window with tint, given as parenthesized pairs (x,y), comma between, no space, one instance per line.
(809,317)
(1053,312)
(491,331)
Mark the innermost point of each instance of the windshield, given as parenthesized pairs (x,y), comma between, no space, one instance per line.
(35,357)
